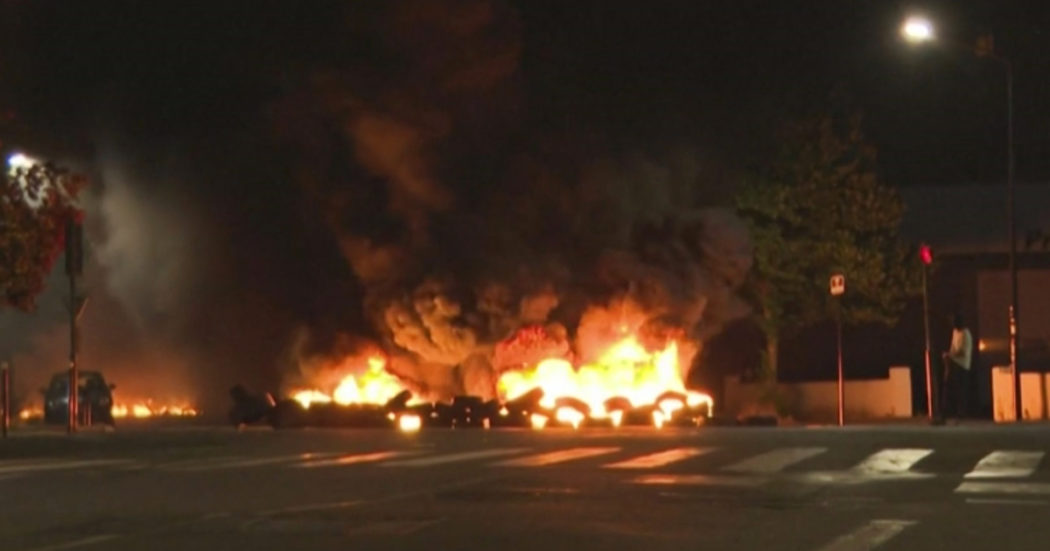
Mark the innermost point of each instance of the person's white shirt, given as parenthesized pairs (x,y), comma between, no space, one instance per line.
(961,350)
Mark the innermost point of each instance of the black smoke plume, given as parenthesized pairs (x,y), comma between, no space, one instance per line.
(320,180)
(461,233)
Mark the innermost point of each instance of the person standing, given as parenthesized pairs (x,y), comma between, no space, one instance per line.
(956,378)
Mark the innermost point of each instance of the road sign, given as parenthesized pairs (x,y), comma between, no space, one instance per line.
(837,284)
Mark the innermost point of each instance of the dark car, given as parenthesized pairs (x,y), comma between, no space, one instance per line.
(94,399)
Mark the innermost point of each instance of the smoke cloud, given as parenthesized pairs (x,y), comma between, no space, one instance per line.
(464,237)
(388,182)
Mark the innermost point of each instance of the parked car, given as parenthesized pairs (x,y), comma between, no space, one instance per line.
(94,396)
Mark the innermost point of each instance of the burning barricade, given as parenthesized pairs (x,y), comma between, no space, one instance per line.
(625,383)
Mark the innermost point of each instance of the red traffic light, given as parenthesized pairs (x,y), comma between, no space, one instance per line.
(925,254)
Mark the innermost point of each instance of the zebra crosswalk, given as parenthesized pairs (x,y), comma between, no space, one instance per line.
(657,459)
(560,456)
(444,459)
(1004,472)
(774,461)
(891,461)
(1007,464)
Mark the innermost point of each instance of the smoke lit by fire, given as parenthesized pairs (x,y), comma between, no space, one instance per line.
(423,210)
(622,360)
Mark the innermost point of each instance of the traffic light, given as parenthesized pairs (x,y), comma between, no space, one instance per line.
(925,254)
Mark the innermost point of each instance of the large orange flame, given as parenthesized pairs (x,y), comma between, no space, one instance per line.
(625,370)
(373,386)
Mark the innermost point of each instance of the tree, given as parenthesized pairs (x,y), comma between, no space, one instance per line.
(37,200)
(819,208)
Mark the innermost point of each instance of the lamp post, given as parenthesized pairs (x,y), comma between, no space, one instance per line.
(919,30)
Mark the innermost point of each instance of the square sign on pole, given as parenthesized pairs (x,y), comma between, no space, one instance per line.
(838,285)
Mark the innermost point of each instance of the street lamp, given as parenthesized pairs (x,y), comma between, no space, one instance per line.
(918,30)
(18,160)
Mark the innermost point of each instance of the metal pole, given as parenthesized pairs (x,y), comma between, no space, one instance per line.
(1011,221)
(842,393)
(5,381)
(73,378)
(926,330)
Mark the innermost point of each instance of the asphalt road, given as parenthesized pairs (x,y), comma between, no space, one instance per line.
(770,489)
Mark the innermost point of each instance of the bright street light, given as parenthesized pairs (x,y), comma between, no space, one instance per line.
(20,160)
(917,29)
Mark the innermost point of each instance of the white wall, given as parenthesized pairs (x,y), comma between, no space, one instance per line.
(1035,388)
(818,401)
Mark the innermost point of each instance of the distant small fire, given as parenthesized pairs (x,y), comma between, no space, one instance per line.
(148,408)
(139,409)
(30,413)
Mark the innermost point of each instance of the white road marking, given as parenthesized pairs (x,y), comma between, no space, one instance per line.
(351,459)
(453,457)
(61,465)
(658,459)
(774,461)
(251,462)
(198,461)
(76,543)
(1002,501)
(699,480)
(891,461)
(560,456)
(310,508)
(869,536)
(1023,488)
(1007,464)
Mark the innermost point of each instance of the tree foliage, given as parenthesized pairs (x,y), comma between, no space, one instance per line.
(36,202)
(819,208)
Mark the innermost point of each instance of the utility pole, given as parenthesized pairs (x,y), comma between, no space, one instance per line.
(916,30)
(1011,205)
(74,267)
(842,381)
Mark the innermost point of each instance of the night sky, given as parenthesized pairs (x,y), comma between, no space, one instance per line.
(703,72)
(214,126)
